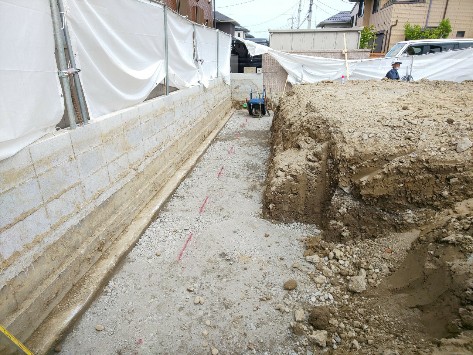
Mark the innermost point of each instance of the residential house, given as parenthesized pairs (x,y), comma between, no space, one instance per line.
(343,19)
(225,23)
(199,11)
(390,16)
(241,32)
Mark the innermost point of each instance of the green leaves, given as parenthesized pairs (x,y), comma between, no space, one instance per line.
(413,32)
(368,37)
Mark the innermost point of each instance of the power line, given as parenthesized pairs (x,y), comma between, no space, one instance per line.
(241,3)
(282,14)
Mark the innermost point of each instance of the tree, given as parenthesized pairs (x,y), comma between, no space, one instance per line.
(413,32)
(368,37)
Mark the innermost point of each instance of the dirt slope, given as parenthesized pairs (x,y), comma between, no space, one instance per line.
(391,161)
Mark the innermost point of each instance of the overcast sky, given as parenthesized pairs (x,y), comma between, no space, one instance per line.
(260,15)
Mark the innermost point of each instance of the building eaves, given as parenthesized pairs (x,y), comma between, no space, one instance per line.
(219,17)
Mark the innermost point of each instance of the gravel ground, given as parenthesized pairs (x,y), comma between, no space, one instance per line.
(207,276)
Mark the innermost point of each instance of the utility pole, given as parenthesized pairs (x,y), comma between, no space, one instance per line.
(309,15)
(299,14)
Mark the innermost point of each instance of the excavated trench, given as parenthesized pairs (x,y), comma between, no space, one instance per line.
(368,160)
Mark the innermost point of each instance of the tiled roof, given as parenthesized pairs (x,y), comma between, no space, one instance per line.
(219,17)
(341,17)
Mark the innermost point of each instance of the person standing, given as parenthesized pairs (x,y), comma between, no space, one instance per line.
(393,73)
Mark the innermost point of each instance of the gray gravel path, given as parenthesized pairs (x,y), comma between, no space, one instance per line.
(232,263)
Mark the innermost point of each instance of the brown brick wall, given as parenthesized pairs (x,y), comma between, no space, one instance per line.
(195,10)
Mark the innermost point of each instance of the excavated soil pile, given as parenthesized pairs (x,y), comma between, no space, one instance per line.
(386,169)
(366,158)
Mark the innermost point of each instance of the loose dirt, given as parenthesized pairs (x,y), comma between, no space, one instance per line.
(386,169)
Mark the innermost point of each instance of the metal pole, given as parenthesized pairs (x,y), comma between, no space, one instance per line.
(309,16)
(166,48)
(218,45)
(299,14)
(77,83)
(215,10)
(428,14)
(63,69)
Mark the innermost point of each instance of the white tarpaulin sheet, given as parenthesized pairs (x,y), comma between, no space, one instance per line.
(119,46)
(30,93)
(183,69)
(206,40)
(224,54)
(450,66)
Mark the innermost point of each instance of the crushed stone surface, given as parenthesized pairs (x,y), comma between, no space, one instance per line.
(225,295)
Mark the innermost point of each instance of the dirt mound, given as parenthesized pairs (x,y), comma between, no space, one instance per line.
(368,157)
(386,169)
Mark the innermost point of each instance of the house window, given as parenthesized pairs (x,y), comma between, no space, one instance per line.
(375,6)
(460,34)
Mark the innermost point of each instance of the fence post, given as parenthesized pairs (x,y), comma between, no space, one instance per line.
(63,68)
(166,48)
(77,83)
(218,46)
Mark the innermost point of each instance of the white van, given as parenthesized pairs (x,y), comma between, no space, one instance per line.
(426,46)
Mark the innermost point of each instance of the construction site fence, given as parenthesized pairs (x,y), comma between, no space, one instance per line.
(65,62)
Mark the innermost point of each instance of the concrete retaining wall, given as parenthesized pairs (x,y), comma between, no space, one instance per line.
(275,76)
(66,198)
(242,84)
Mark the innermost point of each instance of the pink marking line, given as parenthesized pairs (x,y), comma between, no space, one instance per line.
(231,150)
(203,205)
(220,173)
(185,246)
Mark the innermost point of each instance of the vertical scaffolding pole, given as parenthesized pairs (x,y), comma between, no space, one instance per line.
(77,83)
(63,68)
(218,45)
(166,48)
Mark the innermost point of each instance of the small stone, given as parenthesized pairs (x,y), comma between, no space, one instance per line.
(299,315)
(207,322)
(338,254)
(290,285)
(327,272)
(205,333)
(320,280)
(319,337)
(358,283)
(99,327)
(405,107)
(214,351)
(198,300)
(266,235)
(463,144)
(58,349)
(355,345)
(314,259)
(297,328)
(450,121)
(158,253)
(190,289)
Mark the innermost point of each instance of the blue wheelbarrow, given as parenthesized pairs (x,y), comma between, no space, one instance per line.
(257,105)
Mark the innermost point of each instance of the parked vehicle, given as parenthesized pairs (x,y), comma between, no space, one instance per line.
(426,46)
